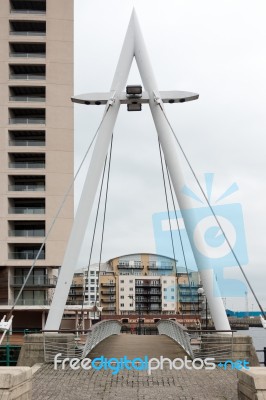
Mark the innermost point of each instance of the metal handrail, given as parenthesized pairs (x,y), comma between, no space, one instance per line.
(40,12)
(25,210)
(26,255)
(177,332)
(26,232)
(26,188)
(99,332)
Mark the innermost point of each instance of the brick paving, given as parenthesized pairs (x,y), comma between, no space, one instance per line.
(50,384)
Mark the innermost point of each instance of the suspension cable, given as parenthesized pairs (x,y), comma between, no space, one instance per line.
(57,213)
(104,216)
(93,237)
(213,212)
(180,236)
(166,199)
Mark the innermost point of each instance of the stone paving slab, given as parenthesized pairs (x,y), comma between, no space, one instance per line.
(50,384)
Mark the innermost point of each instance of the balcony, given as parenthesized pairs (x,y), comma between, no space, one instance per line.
(33,302)
(26,160)
(160,267)
(27,93)
(27,72)
(109,308)
(30,183)
(27,50)
(147,284)
(27,138)
(28,7)
(44,281)
(128,266)
(25,252)
(27,116)
(108,300)
(107,292)
(27,28)
(26,206)
(26,228)
(148,292)
(108,284)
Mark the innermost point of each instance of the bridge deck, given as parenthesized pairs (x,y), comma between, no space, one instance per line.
(138,346)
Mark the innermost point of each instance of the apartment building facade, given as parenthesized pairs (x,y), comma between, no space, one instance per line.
(148,284)
(36,146)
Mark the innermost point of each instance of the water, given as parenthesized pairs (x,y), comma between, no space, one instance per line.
(259,339)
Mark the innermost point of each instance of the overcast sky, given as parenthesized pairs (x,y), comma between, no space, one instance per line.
(214,48)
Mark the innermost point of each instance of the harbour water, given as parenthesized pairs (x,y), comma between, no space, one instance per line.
(259,339)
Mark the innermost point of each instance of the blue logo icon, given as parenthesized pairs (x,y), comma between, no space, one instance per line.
(207,240)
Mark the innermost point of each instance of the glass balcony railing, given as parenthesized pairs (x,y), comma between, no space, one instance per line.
(26,210)
(27,77)
(27,98)
(27,121)
(25,142)
(34,281)
(21,11)
(26,188)
(27,33)
(26,255)
(33,302)
(27,55)
(27,232)
(21,164)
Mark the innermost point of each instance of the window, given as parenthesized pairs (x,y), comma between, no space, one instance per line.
(131,289)
(165,297)
(165,305)
(172,297)
(92,281)
(173,289)
(122,289)
(164,281)
(165,289)
(122,297)
(131,305)
(122,281)
(122,305)
(131,281)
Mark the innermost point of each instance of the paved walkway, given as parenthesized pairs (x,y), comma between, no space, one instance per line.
(217,384)
(138,346)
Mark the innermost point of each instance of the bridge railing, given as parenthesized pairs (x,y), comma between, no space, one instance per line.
(99,332)
(177,332)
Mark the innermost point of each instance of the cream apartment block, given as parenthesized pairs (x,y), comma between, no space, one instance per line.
(36,147)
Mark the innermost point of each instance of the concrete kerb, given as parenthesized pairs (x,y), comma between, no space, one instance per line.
(15,383)
(252,384)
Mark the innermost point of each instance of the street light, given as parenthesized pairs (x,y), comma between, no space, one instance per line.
(139,323)
(200,293)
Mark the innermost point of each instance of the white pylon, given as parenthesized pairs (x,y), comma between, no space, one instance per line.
(133,46)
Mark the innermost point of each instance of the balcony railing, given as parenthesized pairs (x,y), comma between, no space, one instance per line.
(26,255)
(27,232)
(108,284)
(26,210)
(108,300)
(27,121)
(27,98)
(27,77)
(147,292)
(27,55)
(145,300)
(107,292)
(28,143)
(34,281)
(27,33)
(33,302)
(25,165)
(147,284)
(26,188)
(39,12)
(161,268)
